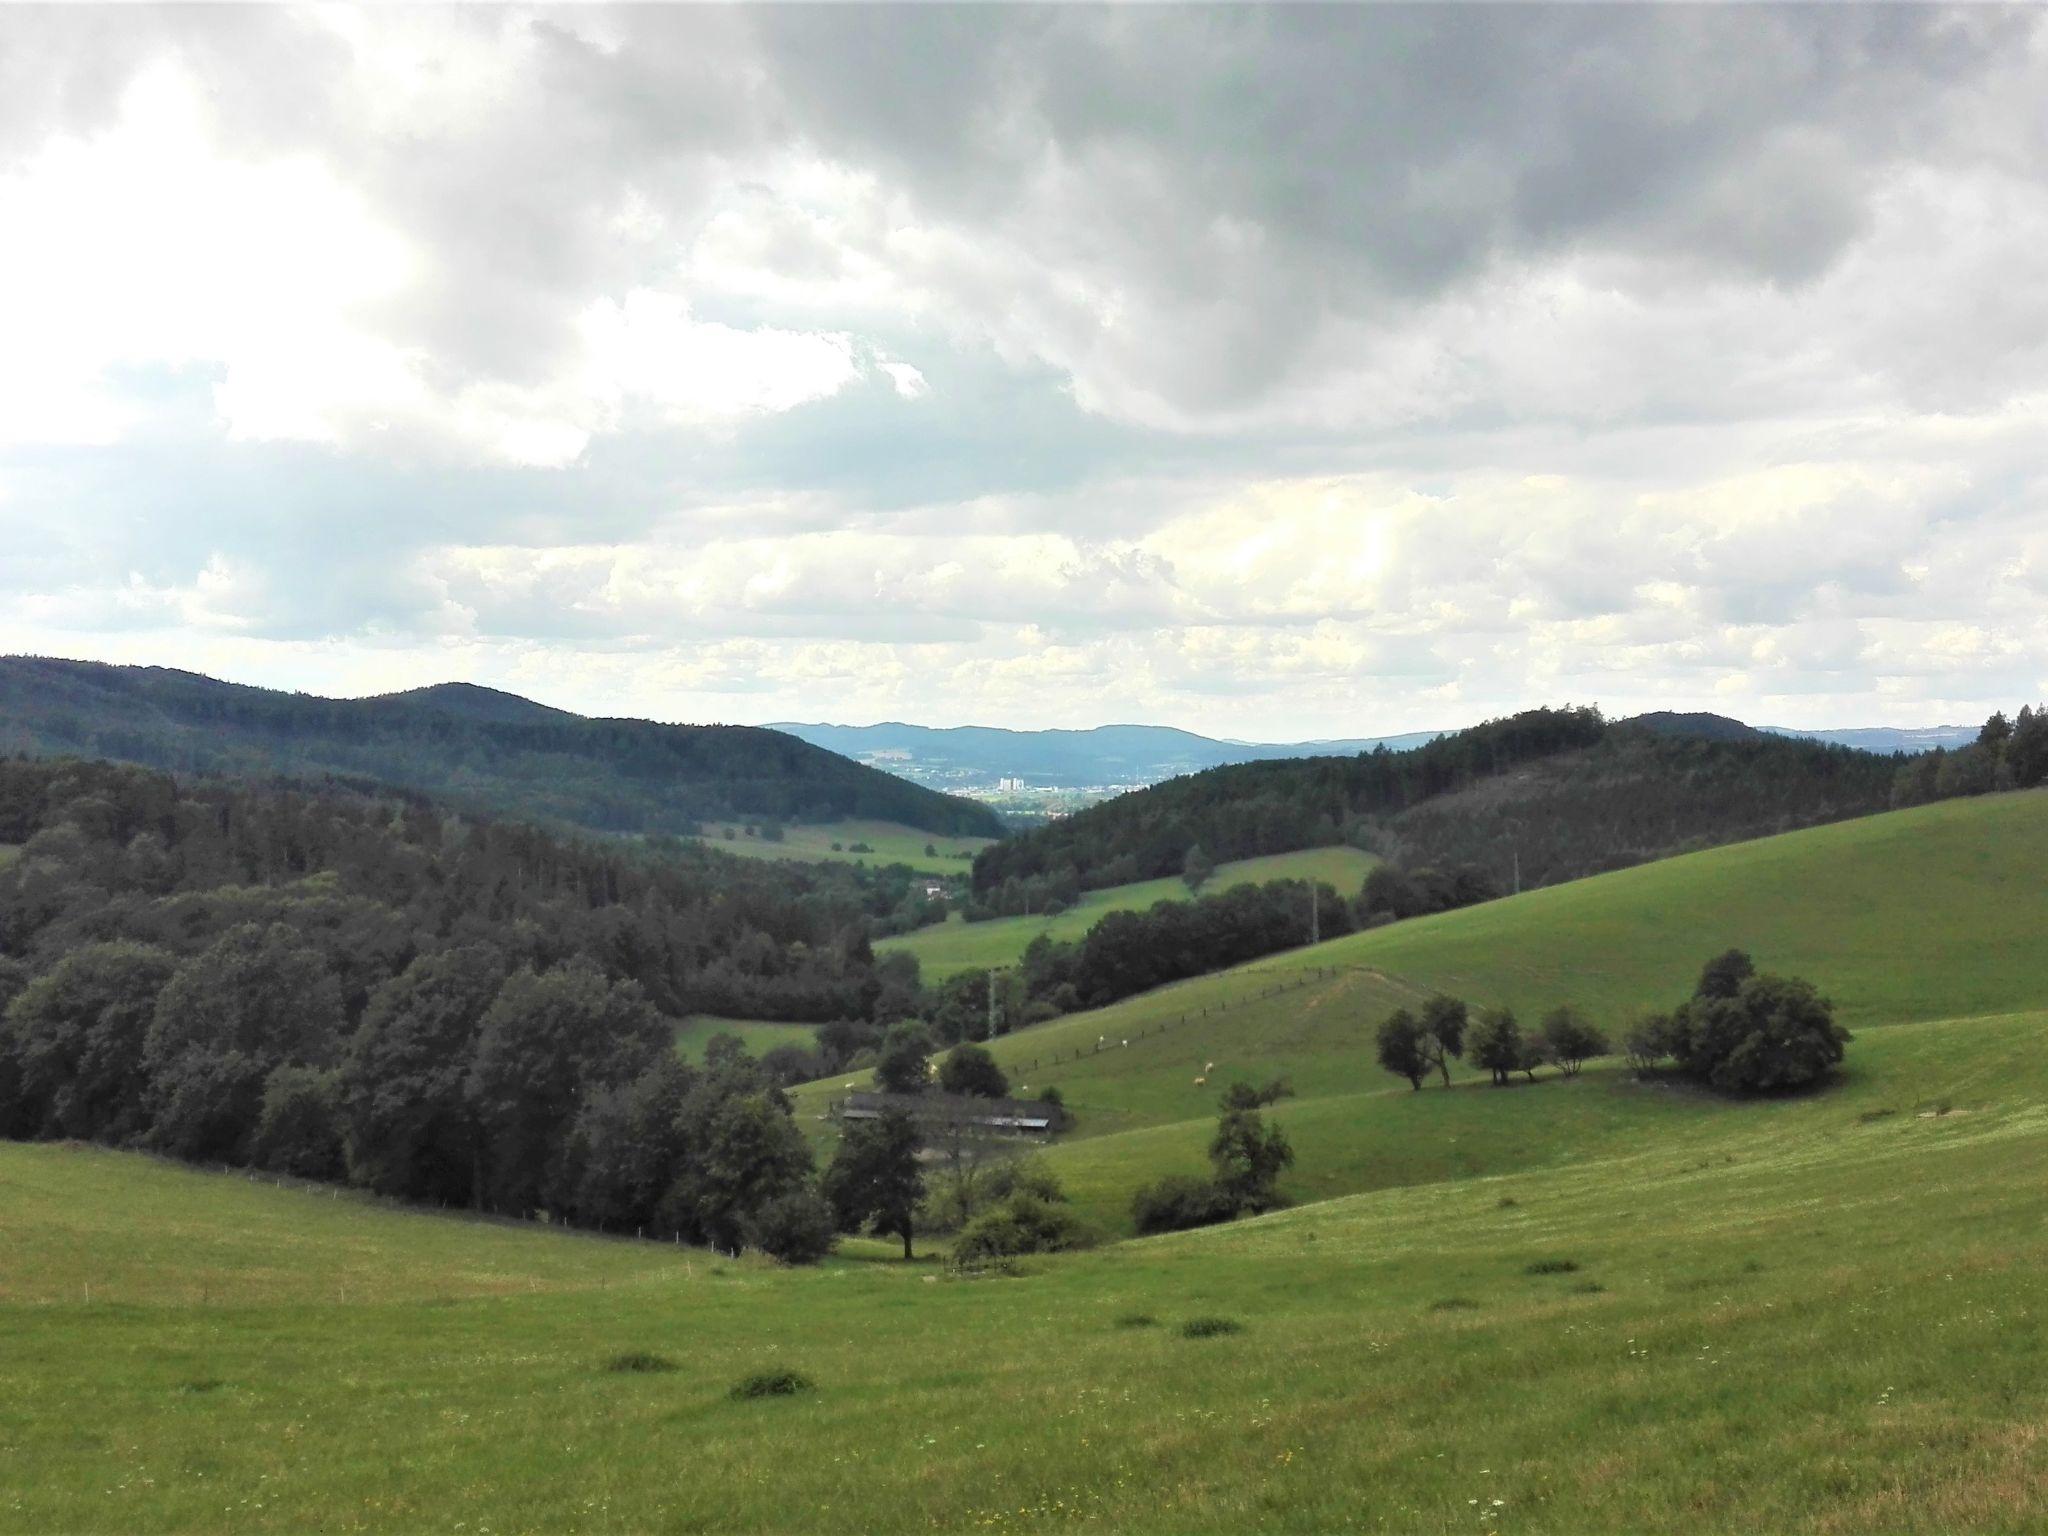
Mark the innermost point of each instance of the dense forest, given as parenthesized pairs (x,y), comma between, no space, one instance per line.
(342,980)
(1544,796)
(471,746)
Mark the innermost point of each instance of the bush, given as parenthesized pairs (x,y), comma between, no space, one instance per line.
(639,1362)
(1178,1203)
(1648,1041)
(1775,1033)
(1209,1327)
(971,1071)
(795,1227)
(770,1384)
(1024,1223)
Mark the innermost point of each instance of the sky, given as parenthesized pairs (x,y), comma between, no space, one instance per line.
(1275,373)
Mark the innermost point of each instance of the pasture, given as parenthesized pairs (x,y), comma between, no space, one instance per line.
(948,948)
(888,842)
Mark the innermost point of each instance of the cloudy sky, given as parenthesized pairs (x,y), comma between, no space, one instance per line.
(1275,373)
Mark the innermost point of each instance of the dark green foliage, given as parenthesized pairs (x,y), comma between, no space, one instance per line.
(255,1000)
(1129,952)
(1403,1047)
(1777,1032)
(1497,1043)
(1651,1039)
(1209,1327)
(741,1156)
(972,1071)
(1178,1203)
(75,1037)
(299,1131)
(1023,1223)
(905,1062)
(486,750)
(1196,868)
(779,1383)
(1249,1156)
(1724,975)
(874,1181)
(795,1226)
(640,1362)
(1244,1095)
(1570,1040)
(1443,1026)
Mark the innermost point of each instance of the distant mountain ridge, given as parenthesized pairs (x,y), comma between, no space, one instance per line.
(975,757)
(475,746)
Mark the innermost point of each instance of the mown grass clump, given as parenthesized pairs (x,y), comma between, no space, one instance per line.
(1209,1327)
(1551,1267)
(770,1384)
(1137,1320)
(638,1362)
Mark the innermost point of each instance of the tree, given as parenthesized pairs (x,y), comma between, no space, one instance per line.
(1443,1025)
(1196,868)
(1724,975)
(1497,1044)
(255,1000)
(299,1131)
(795,1226)
(545,1042)
(1249,1156)
(1570,1039)
(1778,1032)
(1403,1047)
(1649,1040)
(746,1153)
(874,1181)
(972,1071)
(410,1127)
(78,1032)
(905,1063)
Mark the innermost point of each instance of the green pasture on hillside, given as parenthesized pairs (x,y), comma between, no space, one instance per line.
(1816,1315)
(891,842)
(948,948)
(757,1035)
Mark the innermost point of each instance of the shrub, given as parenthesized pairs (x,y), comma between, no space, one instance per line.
(1776,1032)
(795,1227)
(639,1362)
(770,1384)
(1648,1041)
(1209,1327)
(1024,1223)
(1178,1203)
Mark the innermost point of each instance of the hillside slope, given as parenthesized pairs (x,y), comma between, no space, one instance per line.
(1923,914)
(473,746)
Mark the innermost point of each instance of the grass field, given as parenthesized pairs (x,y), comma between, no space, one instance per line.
(1595,1306)
(1805,1316)
(758,1037)
(891,842)
(949,948)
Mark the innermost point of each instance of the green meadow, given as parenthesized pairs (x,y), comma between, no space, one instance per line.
(1600,1305)
(948,948)
(758,1036)
(890,843)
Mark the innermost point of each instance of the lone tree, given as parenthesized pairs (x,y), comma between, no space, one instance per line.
(1570,1039)
(905,1064)
(1196,868)
(972,1071)
(874,1180)
(1497,1044)
(1249,1156)
(1443,1021)
(1402,1047)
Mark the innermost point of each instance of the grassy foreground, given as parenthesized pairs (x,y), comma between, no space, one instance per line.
(891,842)
(948,948)
(1804,1316)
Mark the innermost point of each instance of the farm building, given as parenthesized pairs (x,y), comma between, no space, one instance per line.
(1014,1117)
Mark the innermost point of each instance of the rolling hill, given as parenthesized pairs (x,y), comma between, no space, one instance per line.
(472,746)
(1917,915)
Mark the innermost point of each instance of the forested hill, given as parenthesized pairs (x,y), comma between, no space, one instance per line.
(473,746)
(1543,796)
